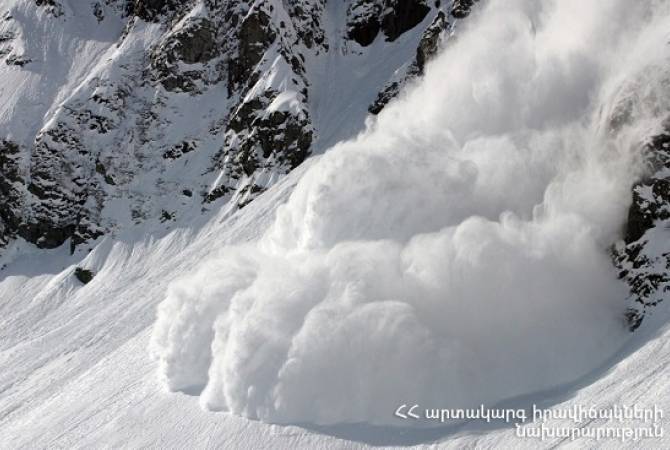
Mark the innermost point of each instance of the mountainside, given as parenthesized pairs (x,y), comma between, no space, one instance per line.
(125,112)
(269,223)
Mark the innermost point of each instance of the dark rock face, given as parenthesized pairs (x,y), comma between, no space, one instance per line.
(462,8)
(59,210)
(17,60)
(393,17)
(427,49)
(402,15)
(180,150)
(363,24)
(53,7)
(150,10)
(429,44)
(85,276)
(6,37)
(391,91)
(651,196)
(255,36)
(640,265)
(215,109)
(398,19)
(306,19)
(12,185)
(279,139)
(195,43)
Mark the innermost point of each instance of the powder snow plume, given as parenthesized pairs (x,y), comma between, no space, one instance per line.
(456,253)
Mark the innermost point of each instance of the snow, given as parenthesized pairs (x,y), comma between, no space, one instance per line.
(348,78)
(53,73)
(107,395)
(453,254)
(286,101)
(427,252)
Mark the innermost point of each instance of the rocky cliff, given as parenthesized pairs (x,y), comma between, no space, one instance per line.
(153,111)
(123,113)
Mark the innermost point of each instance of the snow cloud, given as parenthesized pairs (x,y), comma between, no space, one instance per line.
(456,252)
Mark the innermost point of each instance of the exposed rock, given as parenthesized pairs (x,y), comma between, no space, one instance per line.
(17,60)
(462,8)
(427,49)
(255,36)
(92,121)
(11,190)
(306,22)
(52,6)
(6,36)
(279,140)
(402,15)
(85,276)
(129,136)
(363,21)
(166,216)
(180,150)
(390,91)
(151,10)
(429,44)
(98,12)
(194,43)
(102,170)
(645,269)
(216,193)
(62,194)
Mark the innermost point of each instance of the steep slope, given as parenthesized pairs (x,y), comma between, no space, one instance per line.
(79,374)
(418,243)
(119,113)
(457,251)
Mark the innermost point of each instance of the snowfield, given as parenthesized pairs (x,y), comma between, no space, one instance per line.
(76,371)
(455,253)
(457,239)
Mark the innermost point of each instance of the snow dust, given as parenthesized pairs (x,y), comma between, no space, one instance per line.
(456,252)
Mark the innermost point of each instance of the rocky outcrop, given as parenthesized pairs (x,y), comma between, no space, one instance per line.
(428,47)
(151,10)
(462,8)
(363,22)
(306,18)
(366,19)
(52,6)
(254,37)
(192,44)
(215,108)
(429,44)
(12,186)
(643,258)
(258,141)
(60,188)
(400,16)
(17,60)
(85,276)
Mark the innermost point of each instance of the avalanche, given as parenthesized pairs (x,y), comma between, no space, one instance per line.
(456,253)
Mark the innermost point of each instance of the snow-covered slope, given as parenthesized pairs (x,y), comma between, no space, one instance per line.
(76,372)
(124,112)
(489,238)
